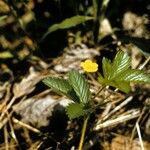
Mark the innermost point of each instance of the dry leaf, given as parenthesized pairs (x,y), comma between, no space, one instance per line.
(37,110)
(27,85)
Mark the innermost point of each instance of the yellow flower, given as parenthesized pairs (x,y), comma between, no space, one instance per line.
(89,66)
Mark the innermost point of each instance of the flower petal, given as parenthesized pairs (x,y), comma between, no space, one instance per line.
(89,66)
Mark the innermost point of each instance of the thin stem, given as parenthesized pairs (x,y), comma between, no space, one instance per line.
(99,92)
(83,133)
(145,63)
(7,108)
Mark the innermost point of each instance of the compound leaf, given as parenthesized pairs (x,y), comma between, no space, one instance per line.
(80,86)
(61,86)
(119,75)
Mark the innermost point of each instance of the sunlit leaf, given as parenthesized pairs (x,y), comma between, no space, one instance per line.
(119,75)
(68,23)
(74,110)
(80,86)
(133,75)
(61,86)
(120,63)
(5,55)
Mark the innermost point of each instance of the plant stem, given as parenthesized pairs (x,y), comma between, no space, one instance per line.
(83,133)
(99,91)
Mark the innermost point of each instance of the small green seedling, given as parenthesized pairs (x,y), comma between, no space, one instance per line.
(116,73)
(75,88)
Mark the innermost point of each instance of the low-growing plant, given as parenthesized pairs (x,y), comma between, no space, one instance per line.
(117,74)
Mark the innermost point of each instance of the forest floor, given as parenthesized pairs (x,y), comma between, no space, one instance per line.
(33,117)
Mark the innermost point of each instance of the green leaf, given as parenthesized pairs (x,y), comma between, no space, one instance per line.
(61,86)
(68,23)
(95,8)
(119,75)
(101,79)
(3,17)
(121,85)
(106,67)
(5,55)
(133,75)
(80,86)
(120,63)
(74,110)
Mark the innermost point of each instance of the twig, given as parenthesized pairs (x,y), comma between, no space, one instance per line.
(7,108)
(140,137)
(11,128)
(119,107)
(120,119)
(144,64)
(25,125)
(6,138)
(138,120)
(116,109)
